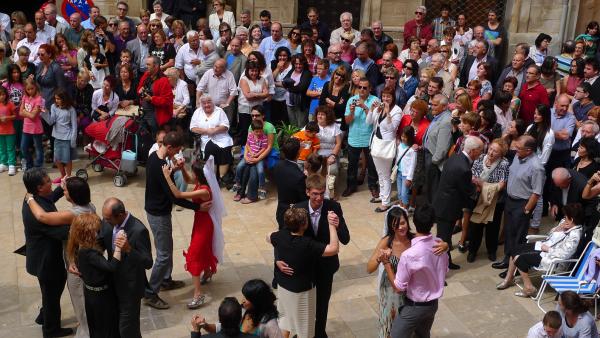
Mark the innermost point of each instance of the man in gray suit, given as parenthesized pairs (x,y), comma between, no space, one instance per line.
(139,48)
(437,142)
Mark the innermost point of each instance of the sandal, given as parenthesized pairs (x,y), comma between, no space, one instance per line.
(196,302)
(246,200)
(526,294)
(237,198)
(381,209)
(504,285)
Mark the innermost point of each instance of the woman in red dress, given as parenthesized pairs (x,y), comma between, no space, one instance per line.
(199,258)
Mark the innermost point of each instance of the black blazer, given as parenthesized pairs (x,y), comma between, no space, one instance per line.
(301,87)
(578,182)
(455,190)
(327,264)
(291,187)
(130,277)
(464,72)
(44,243)
(595,92)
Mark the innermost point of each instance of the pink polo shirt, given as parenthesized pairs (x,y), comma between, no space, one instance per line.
(33,126)
(421,273)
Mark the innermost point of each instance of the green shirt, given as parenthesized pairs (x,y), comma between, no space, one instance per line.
(268,128)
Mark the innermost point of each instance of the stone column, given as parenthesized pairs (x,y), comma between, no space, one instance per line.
(392,13)
(282,11)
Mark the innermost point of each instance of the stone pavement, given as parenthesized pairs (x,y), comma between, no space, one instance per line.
(470,307)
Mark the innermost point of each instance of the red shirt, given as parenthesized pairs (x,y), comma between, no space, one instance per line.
(397,64)
(7,110)
(410,29)
(530,98)
(421,130)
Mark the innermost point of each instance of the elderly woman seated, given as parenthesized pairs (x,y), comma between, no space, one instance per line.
(561,243)
(181,101)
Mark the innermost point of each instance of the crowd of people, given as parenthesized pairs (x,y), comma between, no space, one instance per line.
(490,146)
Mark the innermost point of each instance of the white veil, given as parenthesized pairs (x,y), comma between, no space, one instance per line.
(217,211)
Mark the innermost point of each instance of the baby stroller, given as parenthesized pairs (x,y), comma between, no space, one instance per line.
(114,146)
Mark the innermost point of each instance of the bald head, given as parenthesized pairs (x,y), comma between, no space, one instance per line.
(562,105)
(75,20)
(561,177)
(220,66)
(113,211)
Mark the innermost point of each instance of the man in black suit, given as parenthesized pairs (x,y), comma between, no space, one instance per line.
(289,179)
(130,277)
(456,190)
(318,211)
(469,70)
(567,187)
(44,250)
(591,74)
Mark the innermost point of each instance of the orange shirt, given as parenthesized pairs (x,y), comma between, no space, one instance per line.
(308,144)
(6,110)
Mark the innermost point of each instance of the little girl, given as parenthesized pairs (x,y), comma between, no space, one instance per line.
(406,159)
(32,104)
(14,87)
(97,66)
(7,134)
(63,118)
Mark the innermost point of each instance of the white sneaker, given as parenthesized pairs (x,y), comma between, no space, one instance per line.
(3,168)
(12,170)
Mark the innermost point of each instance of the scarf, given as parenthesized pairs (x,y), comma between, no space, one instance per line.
(486,172)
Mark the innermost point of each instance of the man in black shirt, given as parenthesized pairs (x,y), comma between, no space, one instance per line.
(44,253)
(158,205)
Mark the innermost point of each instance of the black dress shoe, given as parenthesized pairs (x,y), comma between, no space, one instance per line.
(462,247)
(456,229)
(349,191)
(62,332)
(503,265)
(471,257)
(502,274)
(492,257)
(453,266)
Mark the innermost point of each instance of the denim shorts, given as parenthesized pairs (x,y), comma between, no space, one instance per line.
(62,151)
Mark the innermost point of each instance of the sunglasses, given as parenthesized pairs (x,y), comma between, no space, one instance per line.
(255,115)
(339,74)
(295,33)
(114,24)
(390,77)
(419,13)
(343,39)
(224,30)
(363,87)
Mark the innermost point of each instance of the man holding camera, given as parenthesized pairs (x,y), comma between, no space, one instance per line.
(156,96)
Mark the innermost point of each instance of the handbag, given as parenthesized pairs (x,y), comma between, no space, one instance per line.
(382,148)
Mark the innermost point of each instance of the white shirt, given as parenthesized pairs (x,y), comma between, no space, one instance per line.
(315,215)
(327,136)
(537,331)
(503,119)
(336,36)
(181,93)
(217,118)
(407,162)
(184,58)
(473,70)
(5,22)
(268,47)
(46,34)
(214,22)
(162,19)
(219,88)
(112,104)
(544,154)
(386,127)
(33,48)
(592,79)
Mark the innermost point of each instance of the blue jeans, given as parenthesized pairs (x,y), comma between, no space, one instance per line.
(260,168)
(180,181)
(162,230)
(249,181)
(403,190)
(35,141)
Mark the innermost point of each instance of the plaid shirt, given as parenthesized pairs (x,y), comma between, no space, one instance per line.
(439,25)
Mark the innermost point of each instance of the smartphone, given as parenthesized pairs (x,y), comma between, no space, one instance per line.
(179,157)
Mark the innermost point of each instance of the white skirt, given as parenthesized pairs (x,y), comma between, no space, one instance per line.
(297,311)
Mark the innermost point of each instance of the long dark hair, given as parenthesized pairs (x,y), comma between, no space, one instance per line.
(9,70)
(539,130)
(259,293)
(392,218)
(198,169)
(571,301)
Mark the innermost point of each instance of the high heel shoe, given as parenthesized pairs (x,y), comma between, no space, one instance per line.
(206,279)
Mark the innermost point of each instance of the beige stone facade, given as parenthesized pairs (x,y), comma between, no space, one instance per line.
(525,19)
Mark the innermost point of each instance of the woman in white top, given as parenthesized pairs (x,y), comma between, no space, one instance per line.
(211,124)
(281,68)
(464,34)
(104,100)
(158,13)
(220,15)
(385,118)
(540,130)
(253,92)
(181,95)
(330,137)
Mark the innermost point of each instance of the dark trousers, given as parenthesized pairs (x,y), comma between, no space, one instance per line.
(52,289)
(353,158)
(444,232)
(278,113)
(243,124)
(324,283)
(492,229)
(414,319)
(516,224)
(432,176)
(129,316)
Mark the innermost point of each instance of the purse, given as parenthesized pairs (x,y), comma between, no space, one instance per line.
(394,173)
(382,148)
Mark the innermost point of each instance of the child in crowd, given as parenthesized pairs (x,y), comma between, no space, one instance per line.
(313,165)
(549,327)
(63,118)
(469,123)
(7,134)
(126,59)
(15,89)
(406,160)
(256,144)
(97,65)
(309,142)
(32,104)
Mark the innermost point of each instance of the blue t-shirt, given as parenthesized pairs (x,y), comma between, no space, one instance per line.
(316,84)
(359,132)
(230,59)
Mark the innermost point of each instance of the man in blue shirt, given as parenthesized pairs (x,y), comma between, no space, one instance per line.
(359,138)
(265,23)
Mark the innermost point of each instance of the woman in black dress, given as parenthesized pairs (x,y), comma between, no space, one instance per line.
(335,95)
(588,151)
(100,298)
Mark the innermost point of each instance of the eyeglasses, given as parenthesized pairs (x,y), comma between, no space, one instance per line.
(390,77)
(336,53)
(295,33)
(114,24)
(363,87)
(387,60)
(224,30)
(419,13)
